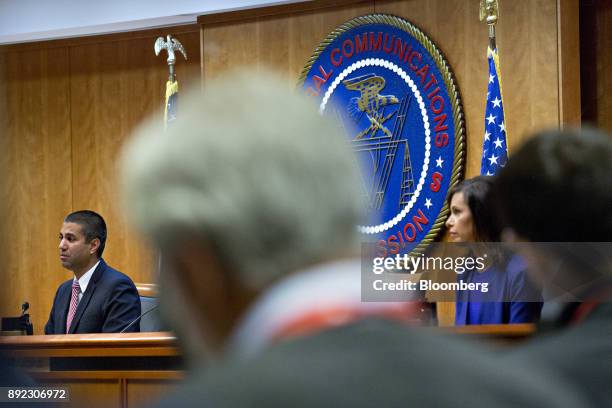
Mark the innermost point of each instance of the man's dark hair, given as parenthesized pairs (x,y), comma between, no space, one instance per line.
(476,193)
(558,187)
(93,226)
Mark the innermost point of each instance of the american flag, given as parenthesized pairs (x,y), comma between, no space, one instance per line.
(495,146)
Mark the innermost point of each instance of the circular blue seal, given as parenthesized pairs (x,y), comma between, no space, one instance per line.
(395,95)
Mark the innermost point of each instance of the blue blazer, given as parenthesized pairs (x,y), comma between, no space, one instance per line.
(109,305)
(511,296)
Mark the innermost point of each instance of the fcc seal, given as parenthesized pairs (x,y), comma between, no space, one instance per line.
(394,94)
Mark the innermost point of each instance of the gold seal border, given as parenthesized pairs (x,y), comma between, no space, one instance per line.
(451,87)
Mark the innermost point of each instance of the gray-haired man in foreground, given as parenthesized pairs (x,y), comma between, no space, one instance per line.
(252,197)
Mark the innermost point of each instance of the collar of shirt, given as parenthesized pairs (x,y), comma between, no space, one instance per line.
(334,285)
(84,280)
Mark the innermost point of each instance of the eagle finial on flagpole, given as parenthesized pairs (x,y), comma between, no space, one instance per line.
(170,46)
(489,12)
(172,84)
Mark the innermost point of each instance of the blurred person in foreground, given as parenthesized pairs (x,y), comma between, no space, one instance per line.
(555,194)
(252,198)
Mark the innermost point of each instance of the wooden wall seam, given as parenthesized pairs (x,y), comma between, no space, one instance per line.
(202,58)
(568,53)
(72,175)
(595,63)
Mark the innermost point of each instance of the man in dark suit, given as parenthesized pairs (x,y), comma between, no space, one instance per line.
(98,299)
(253,198)
(555,195)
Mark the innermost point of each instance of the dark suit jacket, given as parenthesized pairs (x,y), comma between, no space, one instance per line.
(109,304)
(582,354)
(373,363)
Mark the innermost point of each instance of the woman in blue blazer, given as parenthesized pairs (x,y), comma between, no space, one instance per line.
(511,297)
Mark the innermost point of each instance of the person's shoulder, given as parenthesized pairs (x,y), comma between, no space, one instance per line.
(334,353)
(316,370)
(65,284)
(521,282)
(113,275)
(516,267)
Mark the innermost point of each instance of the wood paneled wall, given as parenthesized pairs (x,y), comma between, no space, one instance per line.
(37,176)
(527,39)
(281,42)
(67,106)
(596,60)
(65,109)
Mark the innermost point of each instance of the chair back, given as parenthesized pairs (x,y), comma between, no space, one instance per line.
(150,322)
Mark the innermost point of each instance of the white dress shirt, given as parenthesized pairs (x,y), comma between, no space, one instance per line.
(84,280)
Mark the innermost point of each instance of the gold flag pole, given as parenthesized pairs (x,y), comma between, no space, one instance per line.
(495,143)
(489,12)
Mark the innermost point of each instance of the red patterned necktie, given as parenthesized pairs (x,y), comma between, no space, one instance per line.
(74,301)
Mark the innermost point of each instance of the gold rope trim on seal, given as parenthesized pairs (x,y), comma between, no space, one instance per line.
(449,81)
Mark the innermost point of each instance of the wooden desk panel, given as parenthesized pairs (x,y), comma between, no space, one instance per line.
(92,345)
(109,386)
(500,334)
(112,388)
(99,387)
(141,391)
(90,390)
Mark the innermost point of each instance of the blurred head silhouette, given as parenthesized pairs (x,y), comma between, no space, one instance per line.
(249,184)
(557,189)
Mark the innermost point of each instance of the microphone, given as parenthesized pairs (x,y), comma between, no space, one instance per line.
(24,307)
(24,319)
(139,317)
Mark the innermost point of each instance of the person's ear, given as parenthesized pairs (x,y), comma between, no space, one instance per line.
(94,245)
(510,236)
(204,283)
